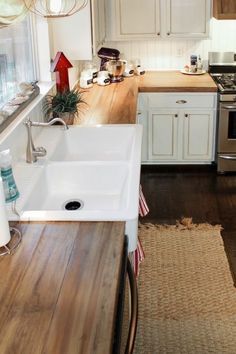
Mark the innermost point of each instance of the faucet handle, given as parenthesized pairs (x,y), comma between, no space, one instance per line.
(28,122)
(40,151)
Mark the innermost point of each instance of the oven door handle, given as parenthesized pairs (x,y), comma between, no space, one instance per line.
(229,107)
(226,157)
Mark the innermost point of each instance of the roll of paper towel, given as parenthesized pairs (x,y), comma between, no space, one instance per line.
(5,235)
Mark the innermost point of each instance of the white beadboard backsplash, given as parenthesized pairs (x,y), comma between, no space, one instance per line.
(170,54)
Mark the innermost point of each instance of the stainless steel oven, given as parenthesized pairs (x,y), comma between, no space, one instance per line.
(222,68)
(226,150)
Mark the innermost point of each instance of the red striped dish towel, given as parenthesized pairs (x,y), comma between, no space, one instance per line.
(143,208)
(139,253)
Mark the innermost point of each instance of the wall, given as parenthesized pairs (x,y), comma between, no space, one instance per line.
(174,53)
(14,137)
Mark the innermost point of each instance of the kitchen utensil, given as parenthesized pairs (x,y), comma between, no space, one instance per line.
(107,54)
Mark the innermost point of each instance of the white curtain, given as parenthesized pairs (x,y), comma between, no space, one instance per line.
(12,11)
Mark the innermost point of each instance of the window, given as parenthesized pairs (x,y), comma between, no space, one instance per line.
(16,58)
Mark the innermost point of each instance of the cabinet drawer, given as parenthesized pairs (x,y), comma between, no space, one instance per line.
(181,100)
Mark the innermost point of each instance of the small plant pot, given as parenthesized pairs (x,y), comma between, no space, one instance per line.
(67,117)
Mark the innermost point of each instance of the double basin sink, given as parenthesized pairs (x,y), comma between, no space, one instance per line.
(88,174)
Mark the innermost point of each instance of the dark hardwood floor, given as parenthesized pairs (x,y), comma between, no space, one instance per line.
(173,192)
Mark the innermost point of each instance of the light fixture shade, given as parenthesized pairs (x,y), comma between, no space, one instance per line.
(55,8)
(12,11)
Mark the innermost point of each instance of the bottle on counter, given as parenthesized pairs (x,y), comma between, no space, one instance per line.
(10,189)
(4,226)
(193,64)
(199,64)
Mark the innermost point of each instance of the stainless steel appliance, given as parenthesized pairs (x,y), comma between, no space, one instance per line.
(222,68)
(116,69)
(106,54)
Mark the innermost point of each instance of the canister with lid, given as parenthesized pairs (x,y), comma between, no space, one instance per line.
(86,79)
(103,78)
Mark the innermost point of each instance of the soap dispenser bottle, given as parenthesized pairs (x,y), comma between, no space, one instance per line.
(10,189)
(199,64)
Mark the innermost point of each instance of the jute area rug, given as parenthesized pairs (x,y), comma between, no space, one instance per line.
(187,300)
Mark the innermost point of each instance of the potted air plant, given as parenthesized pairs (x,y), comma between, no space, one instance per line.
(64,105)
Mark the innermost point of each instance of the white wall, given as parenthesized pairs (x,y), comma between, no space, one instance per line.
(174,53)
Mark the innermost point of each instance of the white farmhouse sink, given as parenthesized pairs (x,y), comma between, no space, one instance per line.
(98,167)
(101,188)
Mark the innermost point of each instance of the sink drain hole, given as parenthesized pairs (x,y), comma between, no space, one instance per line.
(73,204)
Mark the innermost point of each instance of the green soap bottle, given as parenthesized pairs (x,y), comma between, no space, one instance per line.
(9,185)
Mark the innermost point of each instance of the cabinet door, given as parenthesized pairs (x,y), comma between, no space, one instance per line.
(163,135)
(98,24)
(224,9)
(138,18)
(72,35)
(187,18)
(198,135)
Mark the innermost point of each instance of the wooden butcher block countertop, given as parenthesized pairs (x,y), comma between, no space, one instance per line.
(117,103)
(175,81)
(58,292)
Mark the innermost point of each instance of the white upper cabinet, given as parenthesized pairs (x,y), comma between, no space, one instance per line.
(98,24)
(187,18)
(80,35)
(137,19)
(72,35)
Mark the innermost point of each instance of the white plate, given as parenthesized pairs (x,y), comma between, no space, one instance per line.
(189,73)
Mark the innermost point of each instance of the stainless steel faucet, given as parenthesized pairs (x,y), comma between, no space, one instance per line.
(32,153)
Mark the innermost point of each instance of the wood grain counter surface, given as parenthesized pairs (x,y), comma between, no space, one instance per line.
(175,81)
(117,103)
(58,292)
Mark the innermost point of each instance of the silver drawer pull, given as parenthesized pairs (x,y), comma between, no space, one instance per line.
(229,107)
(225,157)
(181,101)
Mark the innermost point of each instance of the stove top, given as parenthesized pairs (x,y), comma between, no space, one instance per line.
(226,82)
(222,68)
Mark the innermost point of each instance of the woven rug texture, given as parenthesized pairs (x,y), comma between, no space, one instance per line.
(187,300)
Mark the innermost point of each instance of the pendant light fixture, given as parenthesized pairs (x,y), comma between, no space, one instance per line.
(55,8)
